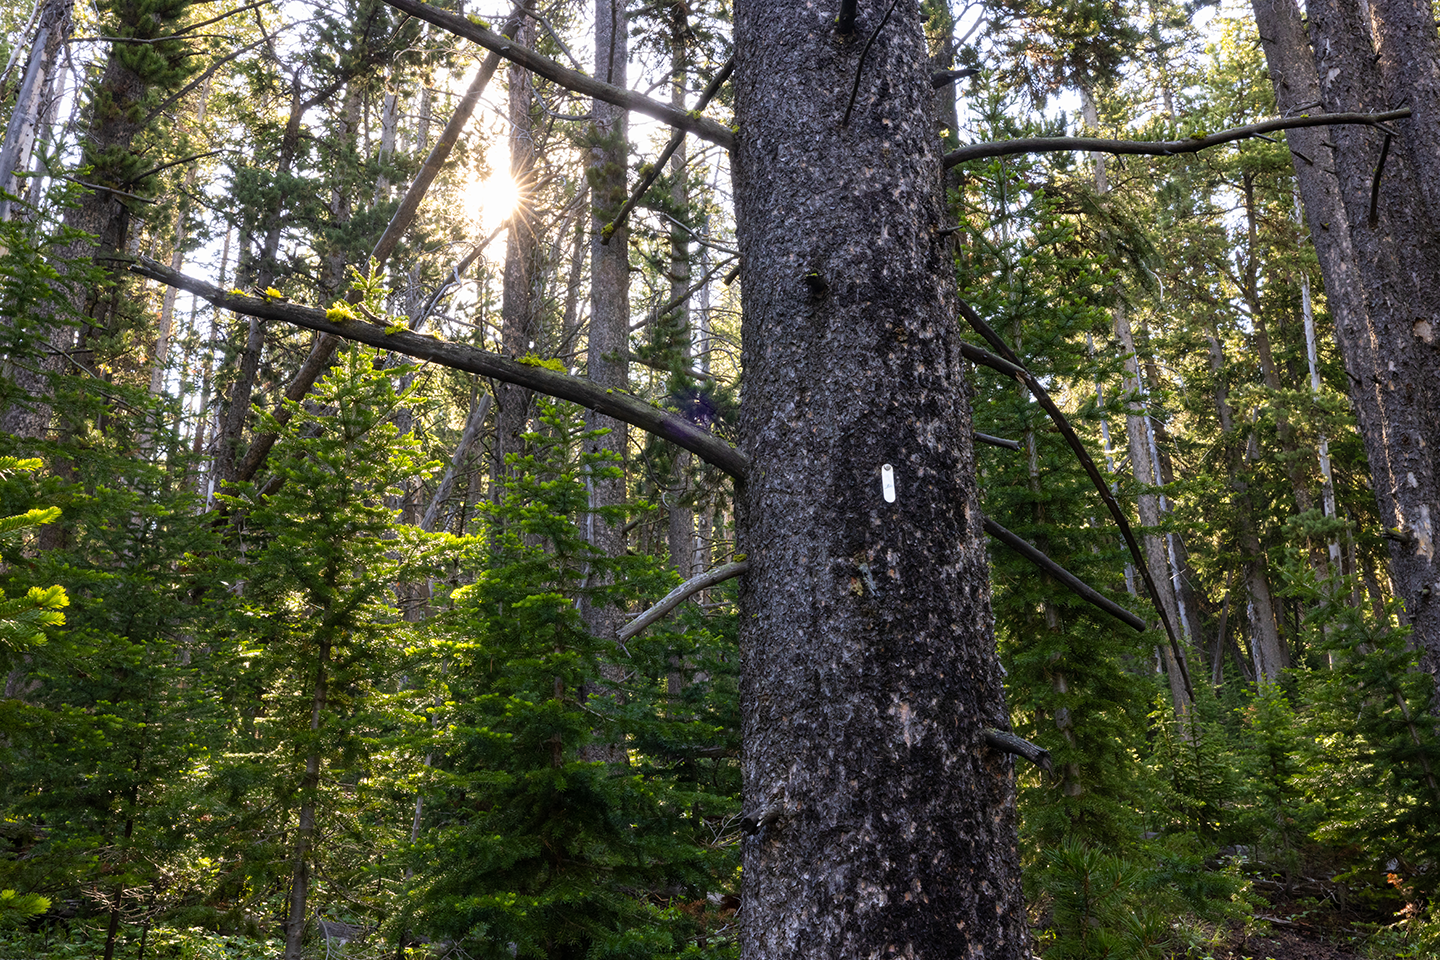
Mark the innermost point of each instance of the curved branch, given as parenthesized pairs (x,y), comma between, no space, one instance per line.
(679,595)
(1010,364)
(563,75)
(1161,148)
(459,356)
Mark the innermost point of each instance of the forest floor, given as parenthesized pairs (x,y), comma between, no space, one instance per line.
(1304,928)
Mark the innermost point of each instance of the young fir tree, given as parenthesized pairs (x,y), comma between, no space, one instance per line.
(323,699)
(531,849)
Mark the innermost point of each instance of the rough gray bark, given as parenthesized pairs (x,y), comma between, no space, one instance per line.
(608,345)
(1380,272)
(869,676)
(34,98)
(517,311)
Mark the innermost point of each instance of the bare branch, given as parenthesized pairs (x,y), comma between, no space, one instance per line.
(462,449)
(675,140)
(995,441)
(1161,148)
(679,595)
(1076,586)
(1007,742)
(1010,364)
(622,406)
(565,77)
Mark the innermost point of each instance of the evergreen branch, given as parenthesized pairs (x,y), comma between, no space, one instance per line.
(565,77)
(612,403)
(1161,148)
(679,595)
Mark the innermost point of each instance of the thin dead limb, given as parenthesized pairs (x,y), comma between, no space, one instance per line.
(1161,148)
(565,77)
(324,347)
(676,139)
(679,595)
(1075,585)
(1010,364)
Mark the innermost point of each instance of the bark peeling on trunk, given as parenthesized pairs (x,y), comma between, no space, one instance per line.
(869,665)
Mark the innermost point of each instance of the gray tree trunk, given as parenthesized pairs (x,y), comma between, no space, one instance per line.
(883,824)
(609,285)
(34,98)
(517,311)
(1380,272)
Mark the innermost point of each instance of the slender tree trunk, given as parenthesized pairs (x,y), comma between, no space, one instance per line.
(882,825)
(1147,506)
(608,347)
(517,310)
(34,98)
(300,861)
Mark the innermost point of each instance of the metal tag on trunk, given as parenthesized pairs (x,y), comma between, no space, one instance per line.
(887,482)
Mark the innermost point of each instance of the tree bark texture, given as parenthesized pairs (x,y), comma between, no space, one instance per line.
(608,347)
(885,824)
(1380,270)
(34,98)
(517,312)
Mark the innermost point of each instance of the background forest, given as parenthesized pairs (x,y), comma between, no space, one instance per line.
(311,648)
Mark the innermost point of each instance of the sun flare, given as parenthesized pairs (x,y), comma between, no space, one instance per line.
(491,200)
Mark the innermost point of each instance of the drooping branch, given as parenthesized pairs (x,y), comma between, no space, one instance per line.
(1076,586)
(679,595)
(570,79)
(459,356)
(1010,364)
(1161,148)
(676,139)
(860,67)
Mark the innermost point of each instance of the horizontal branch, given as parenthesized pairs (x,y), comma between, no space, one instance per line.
(679,595)
(1161,148)
(459,356)
(1076,586)
(996,441)
(566,77)
(1007,742)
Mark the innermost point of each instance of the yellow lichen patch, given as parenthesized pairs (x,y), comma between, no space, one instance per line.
(531,360)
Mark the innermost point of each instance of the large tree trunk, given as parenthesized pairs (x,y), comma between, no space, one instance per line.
(883,824)
(1380,271)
